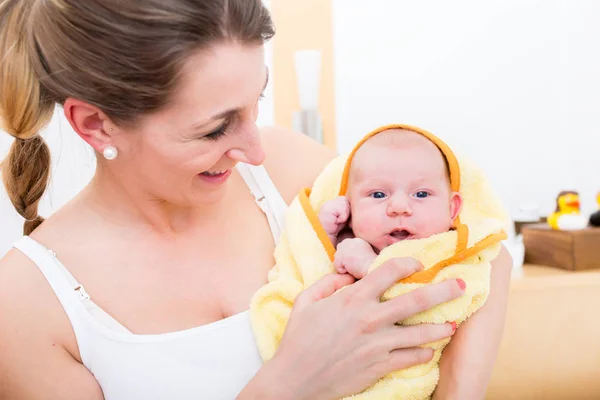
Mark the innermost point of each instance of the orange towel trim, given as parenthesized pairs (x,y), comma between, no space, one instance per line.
(313,218)
(427,275)
(462,240)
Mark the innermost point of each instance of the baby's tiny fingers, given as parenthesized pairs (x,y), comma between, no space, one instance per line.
(340,269)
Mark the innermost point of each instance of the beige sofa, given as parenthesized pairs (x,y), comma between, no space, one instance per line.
(551,343)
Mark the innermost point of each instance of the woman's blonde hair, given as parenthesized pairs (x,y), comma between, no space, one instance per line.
(123,57)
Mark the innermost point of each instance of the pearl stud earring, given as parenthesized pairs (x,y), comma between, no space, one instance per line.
(110,152)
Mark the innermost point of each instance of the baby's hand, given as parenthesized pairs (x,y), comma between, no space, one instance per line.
(334,215)
(354,256)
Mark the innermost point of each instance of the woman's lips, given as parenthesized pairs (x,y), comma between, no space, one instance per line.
(215,177)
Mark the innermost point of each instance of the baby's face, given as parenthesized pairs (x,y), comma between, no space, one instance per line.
(400,191)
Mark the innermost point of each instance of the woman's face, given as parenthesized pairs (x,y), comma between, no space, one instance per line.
(185,153)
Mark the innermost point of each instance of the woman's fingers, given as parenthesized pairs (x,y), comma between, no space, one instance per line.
(323,288)
(357,340)
(377,282)
(403,337)
(419,300)
(403,342)
(404,358)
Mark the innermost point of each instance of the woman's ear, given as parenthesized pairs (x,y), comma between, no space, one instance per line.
(456,203)
(89,122)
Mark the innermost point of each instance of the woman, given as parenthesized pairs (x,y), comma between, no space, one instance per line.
(138,288)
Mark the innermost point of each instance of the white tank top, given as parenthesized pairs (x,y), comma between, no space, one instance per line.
(210,362)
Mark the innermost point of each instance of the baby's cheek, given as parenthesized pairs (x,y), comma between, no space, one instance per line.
(365,224)
(436,221)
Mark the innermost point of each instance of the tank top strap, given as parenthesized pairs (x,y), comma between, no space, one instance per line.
(266,195)
(66,287)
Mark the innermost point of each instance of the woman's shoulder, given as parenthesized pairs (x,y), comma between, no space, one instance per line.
(18,274)
(25,295)
(293,159)
(37,339)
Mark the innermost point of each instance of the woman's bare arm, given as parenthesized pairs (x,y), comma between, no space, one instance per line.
(34,360)
(293,159)
(468,360)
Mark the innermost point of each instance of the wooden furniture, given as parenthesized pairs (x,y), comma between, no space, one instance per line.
(571,250)
(551,343)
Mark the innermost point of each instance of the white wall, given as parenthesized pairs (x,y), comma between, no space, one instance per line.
(515,84)
(74,164)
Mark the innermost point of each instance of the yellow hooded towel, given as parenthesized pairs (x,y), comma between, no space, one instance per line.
(305,254)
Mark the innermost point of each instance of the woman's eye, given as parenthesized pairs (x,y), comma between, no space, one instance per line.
(421,195)
(217,133)
(378,195)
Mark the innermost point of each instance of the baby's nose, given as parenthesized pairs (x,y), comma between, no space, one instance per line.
(399,205)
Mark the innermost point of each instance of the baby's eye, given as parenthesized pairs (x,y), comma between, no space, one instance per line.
(421,195)
(377,195)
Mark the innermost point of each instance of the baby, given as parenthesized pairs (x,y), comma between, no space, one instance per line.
(398,189)
(399,186)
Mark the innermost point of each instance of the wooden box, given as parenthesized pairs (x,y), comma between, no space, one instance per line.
(572,250)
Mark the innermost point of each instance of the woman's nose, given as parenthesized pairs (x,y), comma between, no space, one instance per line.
(248,148)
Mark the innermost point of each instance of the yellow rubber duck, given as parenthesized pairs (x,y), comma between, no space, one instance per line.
(595,217)
(567,215)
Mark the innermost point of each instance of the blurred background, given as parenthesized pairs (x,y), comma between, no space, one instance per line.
(513,84)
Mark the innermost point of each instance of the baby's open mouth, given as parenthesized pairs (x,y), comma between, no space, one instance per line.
(400,234)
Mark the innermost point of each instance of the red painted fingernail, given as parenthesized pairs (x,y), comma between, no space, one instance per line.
(461,284)
(453,325)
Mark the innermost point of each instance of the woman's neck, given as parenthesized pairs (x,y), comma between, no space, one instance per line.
(126,205)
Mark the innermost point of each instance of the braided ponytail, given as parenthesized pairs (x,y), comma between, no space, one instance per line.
(25,108)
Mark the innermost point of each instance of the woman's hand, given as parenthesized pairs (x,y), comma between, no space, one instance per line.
(339,344)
